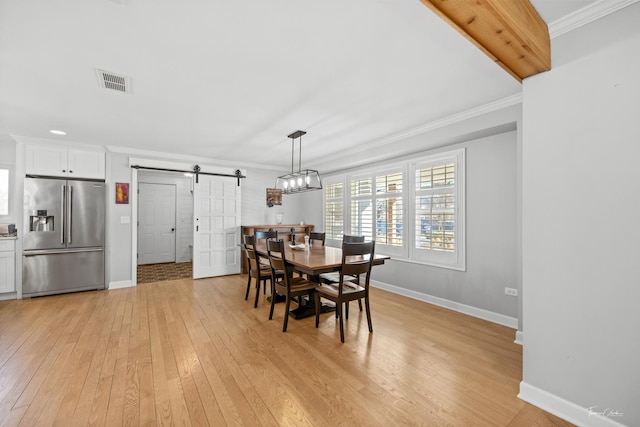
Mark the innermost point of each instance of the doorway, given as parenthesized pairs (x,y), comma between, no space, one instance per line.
(212,247)
(165,226)
(156,223)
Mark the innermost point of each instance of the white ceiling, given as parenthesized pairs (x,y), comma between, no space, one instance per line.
(229,80)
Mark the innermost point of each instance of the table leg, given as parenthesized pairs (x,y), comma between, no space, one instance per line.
(279,298)
(308,309)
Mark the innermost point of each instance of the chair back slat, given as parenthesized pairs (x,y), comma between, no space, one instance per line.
(249,239)
(279,267)
(275,248)
(252,259)
(315,236)
(352,239)
(265,234)
(357,258)
(277,263)
(353,268)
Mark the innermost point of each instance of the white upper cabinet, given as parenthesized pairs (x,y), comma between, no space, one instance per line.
(64,162)
(86,164)
(46,160)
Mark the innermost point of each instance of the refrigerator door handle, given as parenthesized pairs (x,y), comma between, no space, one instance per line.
(38,252)
(62,218)
(69,210)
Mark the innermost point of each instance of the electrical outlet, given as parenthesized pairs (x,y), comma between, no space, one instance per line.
(511,291)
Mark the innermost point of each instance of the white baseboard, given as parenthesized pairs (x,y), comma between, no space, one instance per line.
(7,296)
(500,319)
(519,338)
(569,411)
(121,284)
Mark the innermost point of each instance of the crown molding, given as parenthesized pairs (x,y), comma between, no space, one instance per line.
(366,148)
(450,120)
(58,142)
(585,15)
(183,157)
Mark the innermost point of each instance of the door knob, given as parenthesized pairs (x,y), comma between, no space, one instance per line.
(173,229)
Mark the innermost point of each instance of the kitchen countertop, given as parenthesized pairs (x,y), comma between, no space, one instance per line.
(8,237)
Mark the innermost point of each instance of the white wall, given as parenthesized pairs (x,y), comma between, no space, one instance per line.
(254,211)
(8,158)
(254,200)
(8,150)
(581,225)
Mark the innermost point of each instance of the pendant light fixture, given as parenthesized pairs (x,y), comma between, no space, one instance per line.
(302,180)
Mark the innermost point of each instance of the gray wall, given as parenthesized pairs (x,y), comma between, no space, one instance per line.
(119,258)
(581,228)
(492,236)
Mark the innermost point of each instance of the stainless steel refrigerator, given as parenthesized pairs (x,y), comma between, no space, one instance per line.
(64,236)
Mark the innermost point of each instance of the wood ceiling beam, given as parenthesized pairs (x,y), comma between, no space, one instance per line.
(511,32)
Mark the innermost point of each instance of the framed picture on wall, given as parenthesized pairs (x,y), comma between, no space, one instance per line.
(122,193)
(274,196)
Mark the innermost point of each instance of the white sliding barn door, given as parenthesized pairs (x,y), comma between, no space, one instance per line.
(216,227)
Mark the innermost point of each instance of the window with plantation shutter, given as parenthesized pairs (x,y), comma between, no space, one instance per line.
(376,207)
(5,181)
(438,210)
(334,210)
(414,210)
(435,208)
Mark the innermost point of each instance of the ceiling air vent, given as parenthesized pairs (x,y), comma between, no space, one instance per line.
(109,80)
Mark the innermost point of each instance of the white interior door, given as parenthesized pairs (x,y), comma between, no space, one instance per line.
(216,227)
(156,223)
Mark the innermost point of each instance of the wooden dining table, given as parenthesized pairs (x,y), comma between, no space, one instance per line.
(317,260)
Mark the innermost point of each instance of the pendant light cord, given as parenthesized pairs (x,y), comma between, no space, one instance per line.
(300,155)
(293,141)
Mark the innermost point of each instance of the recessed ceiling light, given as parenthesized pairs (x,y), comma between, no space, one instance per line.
(57,132)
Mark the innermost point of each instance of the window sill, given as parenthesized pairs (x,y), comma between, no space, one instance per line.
(425,263)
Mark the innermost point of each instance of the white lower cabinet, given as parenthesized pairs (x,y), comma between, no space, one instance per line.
(7,266)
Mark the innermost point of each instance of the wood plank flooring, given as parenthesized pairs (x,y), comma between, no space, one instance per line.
(194,352)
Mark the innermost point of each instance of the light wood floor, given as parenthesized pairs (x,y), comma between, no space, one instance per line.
(190,352)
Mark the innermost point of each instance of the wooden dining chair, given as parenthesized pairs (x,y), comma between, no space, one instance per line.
(334,276)
(251,241)
(285,284)
(357,259)
(265,235)
(255,269)
(315,236)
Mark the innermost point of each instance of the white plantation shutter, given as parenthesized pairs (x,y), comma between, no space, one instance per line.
(439,211)
(435,208)
(334,210)
(376,209)
(362,207)
(389,209)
